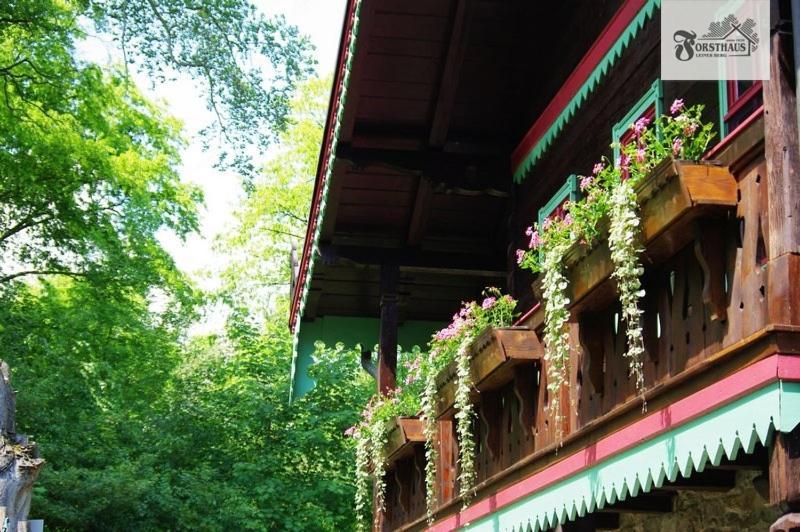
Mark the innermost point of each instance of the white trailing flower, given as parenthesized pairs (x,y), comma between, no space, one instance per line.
(556,332)
(378,438)
(431,452)
(465,414)
(625,251)
(362,477)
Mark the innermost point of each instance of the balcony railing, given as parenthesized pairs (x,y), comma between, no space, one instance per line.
(715,300)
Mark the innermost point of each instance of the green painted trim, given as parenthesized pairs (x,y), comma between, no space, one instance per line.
(653,96)
(351,48)
(706,440)
(352,332)
(570,189)
(722,91)
(600,71)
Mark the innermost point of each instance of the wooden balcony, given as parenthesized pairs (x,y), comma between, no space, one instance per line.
(716,301)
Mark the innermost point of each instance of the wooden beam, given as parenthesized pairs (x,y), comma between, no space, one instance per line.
(758,460)
(463,170)
(655,502)
(419,215)
(784,471)
(709,480)
(448,84)
(593,522)
(411,260)
(782,151)
(387,353)
(366,18)
(332,205)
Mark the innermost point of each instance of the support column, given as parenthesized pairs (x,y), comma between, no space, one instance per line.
(784,480)
(387,351)
(781,147)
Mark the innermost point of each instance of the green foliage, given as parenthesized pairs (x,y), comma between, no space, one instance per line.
(88,164)
(272,220)
(142,428)
(416,393)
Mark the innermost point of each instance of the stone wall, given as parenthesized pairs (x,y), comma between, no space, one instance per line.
(741,509)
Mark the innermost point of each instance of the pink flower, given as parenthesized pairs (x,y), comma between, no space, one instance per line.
(623,163)
(676,106)
(535,240)
(640,154)
(676,146)
(444,334)
(414,368)
(547,223)
(529,231)
(350,431)
(690,129)
(568,219)
(586,182)
(488,303)
(641,125)
(520,256)
(598,167)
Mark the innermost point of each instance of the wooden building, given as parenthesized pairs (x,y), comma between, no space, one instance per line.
(451,123)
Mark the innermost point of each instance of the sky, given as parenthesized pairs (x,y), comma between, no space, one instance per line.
(321,20)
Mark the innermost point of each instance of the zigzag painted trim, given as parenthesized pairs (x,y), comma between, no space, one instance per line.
(600,71)
(328,171)
(722,433)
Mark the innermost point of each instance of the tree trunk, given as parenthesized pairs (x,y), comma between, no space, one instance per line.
(19,459)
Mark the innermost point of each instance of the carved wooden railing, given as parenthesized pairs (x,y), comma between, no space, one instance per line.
(405,483)
(716,299)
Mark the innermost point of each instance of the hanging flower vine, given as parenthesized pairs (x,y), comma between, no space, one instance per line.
(609,200)
(623,242)
(465,415)
(416,393)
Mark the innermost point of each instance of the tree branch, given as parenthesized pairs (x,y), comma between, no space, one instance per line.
(24,273)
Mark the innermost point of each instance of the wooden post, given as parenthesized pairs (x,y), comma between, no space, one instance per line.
(387,359)
(782,151)
(784,478)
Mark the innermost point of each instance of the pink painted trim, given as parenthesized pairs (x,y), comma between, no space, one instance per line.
(783,367)
(733,134)
(522,319)
(618,23)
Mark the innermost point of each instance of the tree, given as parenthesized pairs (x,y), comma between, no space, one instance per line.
(247,65)
(272,220)
(88,166)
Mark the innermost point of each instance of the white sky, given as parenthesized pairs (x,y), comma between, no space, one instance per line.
(321,20)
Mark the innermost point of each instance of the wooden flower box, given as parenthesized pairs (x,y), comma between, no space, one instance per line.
(673,199)
(494,355)
(407,432)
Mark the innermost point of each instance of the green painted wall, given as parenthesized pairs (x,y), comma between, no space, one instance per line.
(351,332)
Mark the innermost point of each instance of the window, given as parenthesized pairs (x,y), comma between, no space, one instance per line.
(555,207)
(650,105)
(738,99)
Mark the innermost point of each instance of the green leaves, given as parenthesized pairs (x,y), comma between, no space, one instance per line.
(247,65)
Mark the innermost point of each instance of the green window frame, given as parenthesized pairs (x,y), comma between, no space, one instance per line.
(654,97)
(570,190)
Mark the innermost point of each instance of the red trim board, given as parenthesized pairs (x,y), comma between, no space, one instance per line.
(769,370)
(322,165)
(619,22)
